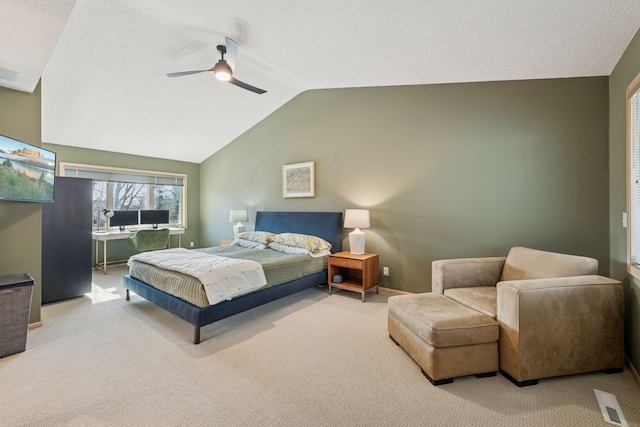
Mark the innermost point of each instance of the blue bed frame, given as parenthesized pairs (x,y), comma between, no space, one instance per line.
(327,225)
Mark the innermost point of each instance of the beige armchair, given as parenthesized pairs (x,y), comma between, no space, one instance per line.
(556,315)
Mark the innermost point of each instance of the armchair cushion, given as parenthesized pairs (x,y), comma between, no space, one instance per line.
(480,298)
(442,322)
(524,263)
(465,272)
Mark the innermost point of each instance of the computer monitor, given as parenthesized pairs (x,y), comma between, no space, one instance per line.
(154,217)
(123,218)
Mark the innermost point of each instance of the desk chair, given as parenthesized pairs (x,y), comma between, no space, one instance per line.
(149,240)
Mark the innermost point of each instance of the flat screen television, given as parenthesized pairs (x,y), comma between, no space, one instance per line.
(123,218)
(26,171)
(154,217)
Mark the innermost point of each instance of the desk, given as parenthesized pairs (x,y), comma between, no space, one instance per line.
(116,235)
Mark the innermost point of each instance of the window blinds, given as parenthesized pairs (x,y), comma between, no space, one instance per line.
(634,177)
(128,176)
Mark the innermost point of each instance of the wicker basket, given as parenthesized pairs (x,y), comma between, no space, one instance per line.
(15,302)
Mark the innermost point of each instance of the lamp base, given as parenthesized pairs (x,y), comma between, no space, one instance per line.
(356,242)
(237,229)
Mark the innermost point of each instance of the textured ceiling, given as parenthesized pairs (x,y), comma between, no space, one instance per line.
(29,31)
(105,84)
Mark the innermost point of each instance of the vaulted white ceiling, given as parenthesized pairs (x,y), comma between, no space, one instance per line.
(29,31)
(104,83)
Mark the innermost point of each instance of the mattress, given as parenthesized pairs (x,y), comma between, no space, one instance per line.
(278,268)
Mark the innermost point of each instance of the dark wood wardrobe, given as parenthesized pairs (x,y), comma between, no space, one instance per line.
(66,240)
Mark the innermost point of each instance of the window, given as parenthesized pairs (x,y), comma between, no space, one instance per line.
(132,190)
(633,177)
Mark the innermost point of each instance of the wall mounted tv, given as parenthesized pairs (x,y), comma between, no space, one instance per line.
(26,171)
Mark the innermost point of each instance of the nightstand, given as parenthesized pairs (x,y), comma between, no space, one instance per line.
(359,272)
(225,242)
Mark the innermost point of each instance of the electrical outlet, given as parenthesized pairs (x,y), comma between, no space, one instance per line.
(191,244)
(385,271)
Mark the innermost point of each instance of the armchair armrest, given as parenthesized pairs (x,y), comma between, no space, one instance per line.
(560,326)
(465,272)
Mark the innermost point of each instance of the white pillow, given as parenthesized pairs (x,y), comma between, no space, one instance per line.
(296,250)
(248,244)
(312,244)
(263,237)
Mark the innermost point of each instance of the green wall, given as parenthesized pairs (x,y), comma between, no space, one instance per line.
(452,170)
(119,249)
(625,71)
(21,223)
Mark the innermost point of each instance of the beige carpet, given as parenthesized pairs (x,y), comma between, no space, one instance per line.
(310,359)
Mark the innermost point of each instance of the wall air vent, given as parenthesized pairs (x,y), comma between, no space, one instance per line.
(9,75)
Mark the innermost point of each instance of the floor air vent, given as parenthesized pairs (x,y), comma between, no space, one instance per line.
(610,409)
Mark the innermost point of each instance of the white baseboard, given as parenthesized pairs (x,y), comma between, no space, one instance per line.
(393,291)
(34,325)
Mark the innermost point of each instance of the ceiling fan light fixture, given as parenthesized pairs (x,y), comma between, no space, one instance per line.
(222,71)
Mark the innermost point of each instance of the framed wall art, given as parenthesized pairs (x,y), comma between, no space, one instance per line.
(298,180)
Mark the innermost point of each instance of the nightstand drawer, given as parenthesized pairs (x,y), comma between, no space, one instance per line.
(346,263)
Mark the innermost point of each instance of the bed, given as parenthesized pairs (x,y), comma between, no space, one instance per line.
(327,225)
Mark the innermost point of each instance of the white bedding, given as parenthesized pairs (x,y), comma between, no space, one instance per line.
(223,278)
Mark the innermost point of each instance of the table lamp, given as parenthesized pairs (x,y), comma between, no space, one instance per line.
(106,214)
(356,218)
(239,216)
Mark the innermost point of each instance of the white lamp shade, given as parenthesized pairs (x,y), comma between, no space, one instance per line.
(106,213)
(238,215)
(356,218)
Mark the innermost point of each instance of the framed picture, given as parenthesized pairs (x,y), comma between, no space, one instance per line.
(298,180)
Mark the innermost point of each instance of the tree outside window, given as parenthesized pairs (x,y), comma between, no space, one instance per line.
(129,197)
(124,196)
(121,189)
(168,197)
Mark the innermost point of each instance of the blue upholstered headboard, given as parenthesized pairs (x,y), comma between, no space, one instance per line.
(327,225)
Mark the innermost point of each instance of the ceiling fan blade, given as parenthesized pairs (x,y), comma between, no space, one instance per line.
(186,73)
(243,85)
(232,53)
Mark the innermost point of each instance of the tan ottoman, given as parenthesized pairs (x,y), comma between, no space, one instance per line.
(445,338)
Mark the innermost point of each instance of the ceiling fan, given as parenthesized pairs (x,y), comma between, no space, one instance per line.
(223,70)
